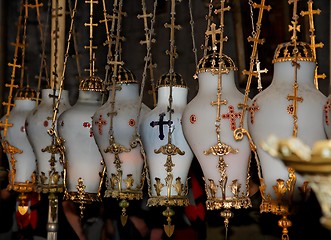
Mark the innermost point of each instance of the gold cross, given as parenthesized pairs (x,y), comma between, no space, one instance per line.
(295,100)
(222,9)
(218,103)
(294,27)
(255,39)
(213,32)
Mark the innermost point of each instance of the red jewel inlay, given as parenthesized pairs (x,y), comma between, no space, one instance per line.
(252,109)
(290,109)
(231,115)
(327,107)
(193,118)
(100,123)
(132,122)
(45,123)
(88,125)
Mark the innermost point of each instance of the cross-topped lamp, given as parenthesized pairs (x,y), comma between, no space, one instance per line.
(290,107)
(168,154)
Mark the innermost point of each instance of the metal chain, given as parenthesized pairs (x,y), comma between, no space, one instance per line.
(209,20)
(66,56)
(23,46)
(43,61)
(148,59)
(194,49)
(252,16)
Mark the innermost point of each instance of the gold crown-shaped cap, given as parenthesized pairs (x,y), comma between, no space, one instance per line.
(177,80)
(125,76)
(25,93)
(91,83)
(289,52)
(213,63)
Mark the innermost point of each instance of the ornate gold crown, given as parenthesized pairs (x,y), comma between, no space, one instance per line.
(213,63)
(289,52)
(26,93)
(177,80)
(91,83)
(125,76)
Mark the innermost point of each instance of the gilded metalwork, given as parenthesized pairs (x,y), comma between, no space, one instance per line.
(289,52)
(26,93)
(23,187)
(91,83)
(129,181)
(175,79)
(255,40)
(170,150)
(169,228)
(179,201)
(149,31)
(213,63)
(295,98)
(158,185)
(179,186)
(313,43)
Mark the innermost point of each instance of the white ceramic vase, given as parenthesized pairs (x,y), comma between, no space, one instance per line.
(121,148)
(226,181)
(272,113)
(22,160)
(38,122)
(167,179)
(83,159)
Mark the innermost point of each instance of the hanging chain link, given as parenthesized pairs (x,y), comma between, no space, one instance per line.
(148,58)
(43,59)
(194,48)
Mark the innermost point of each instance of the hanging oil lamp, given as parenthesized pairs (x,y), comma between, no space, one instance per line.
(209,125)
(83,162)
(39,121)
(22,160)
(168,154)
(314,164)
(115,127)
(290,106)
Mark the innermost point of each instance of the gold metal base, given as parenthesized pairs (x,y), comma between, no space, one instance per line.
(180,201)
(46,188)
(22,187)
(124,194)
(219,203)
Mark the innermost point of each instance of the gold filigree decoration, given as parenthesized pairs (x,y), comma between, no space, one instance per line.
(129,181)
(179,186)
(170,150)
(23,187)
(158,186)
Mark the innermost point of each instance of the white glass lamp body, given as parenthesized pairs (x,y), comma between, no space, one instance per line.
(156,161)
(22,174)
(82,155)
(272,116)
(199,128)
(124,123)
(38,123)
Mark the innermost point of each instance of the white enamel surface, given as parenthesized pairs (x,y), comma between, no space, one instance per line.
(82,154)
(39,122)
(126,108)
(16,136)
(273,118)
(201,135)
(151,140)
